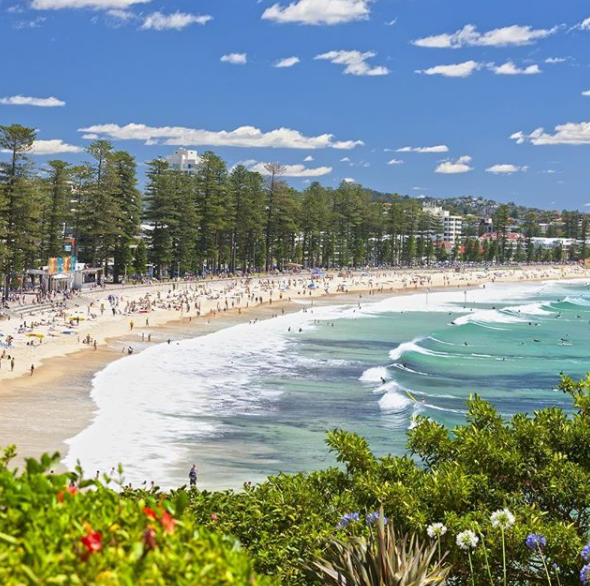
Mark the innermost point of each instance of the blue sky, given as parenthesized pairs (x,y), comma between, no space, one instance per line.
(453,80)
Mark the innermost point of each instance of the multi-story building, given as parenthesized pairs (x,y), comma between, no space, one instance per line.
(452,225)
(184,160)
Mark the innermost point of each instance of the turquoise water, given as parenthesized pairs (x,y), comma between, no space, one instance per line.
(256,399)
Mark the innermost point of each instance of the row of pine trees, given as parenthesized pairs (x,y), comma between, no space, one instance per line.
(217,219)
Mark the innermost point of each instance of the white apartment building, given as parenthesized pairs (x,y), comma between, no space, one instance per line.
(184,160)
(452,225)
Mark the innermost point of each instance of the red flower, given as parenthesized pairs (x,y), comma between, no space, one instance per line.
(71,489)
(214,517)
(149,513)
(168,522)
(92,541)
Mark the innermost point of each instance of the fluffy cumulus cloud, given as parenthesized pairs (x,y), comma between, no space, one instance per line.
(235,58)
(174,21)
(318,11)
(287,62)
(92,4)
(586,93)
(244,136)
(453,167)
(308,159)
(50,102)
(506,169)
(572,133)
(349,180)
(509,68)
(469,36)
(355,62)
(395,162)
(585,24)
(464,69)
(290,170)
(53,147)
(439,148)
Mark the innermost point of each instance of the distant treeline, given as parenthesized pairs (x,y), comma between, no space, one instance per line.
(217,219)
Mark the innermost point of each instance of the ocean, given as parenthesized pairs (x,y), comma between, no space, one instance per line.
(256,399)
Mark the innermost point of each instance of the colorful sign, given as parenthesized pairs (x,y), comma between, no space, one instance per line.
(61,264)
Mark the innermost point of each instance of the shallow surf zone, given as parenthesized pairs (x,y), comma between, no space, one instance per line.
(155,406)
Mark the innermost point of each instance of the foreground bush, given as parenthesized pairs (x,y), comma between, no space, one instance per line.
(55,533)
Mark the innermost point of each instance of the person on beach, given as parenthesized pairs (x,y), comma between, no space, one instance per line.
(131,324)
(12,364)
(192,476)
(32,369)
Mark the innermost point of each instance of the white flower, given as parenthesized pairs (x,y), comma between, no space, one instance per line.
(502,519)
(467,540)
(436,530)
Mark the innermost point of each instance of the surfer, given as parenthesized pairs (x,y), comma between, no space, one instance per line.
(382,380)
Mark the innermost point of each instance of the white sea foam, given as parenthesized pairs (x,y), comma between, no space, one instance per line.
(408,369)
(395,399)
(539,309)
(488,316)
(581,301)
(374,375)
(414,346)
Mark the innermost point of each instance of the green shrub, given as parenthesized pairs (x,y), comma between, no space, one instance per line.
(53,533)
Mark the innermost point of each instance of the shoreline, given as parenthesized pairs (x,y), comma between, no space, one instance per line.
(66,373)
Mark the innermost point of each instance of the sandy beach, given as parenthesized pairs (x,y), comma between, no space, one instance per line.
(69,340)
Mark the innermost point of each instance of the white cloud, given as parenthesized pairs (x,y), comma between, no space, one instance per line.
(452,167)
(53,147)
(585,25)
(571,133)
(509,68)
(391,22)
(395,162)
(235,58)
(19,100)
(469,36)
(287,62)
(345,160)
(318,11)
(554,60)
(464,69)
(506,169)
(349,180)
(123,15)
(440,148)
(94,4)
(308,159)
(174,21)
(293,170)
(244,136)
(355,62)
(586,93)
